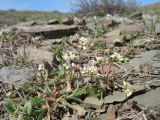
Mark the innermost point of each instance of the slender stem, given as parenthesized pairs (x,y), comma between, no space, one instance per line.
(110,65)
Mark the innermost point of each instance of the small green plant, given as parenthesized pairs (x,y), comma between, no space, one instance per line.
(138,42)
(80,73)
(101,45)
(98,30)
(32,109)
(11,108)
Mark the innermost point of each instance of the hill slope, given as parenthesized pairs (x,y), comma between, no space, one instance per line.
(11,17)
(154,8)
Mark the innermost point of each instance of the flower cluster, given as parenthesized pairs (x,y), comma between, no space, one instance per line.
(127,89)
(117,57)
(68,57)
(41,66)
(91,70)
(88,69)
(83,43)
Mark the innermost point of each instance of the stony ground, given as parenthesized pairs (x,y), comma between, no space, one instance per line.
(105,68)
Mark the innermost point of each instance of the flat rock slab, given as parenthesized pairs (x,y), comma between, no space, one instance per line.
(133,29)
(145,58)
(49,31)
(93,102)
(137,87)
(149,99)
(115,97)
(37,55)
(16,75)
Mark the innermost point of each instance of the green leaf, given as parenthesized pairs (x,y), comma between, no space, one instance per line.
(10,106)
(47,89)
(42,115)
(16,113)
(28,108)
(36,101)
(80,92)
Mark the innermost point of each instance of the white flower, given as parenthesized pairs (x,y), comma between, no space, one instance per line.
(126,85)
(99,59)
(117,56)
(67,66)
(69,56)
(84,47)
(66,56)
(72,56)
(108,15)
(83,41)
(95,17)
(41,67)
(128,92)
(73,65)
(91,69)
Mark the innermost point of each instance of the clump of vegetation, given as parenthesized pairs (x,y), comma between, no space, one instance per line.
(98,29)
(80,74)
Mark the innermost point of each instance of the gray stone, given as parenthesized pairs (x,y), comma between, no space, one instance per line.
(49,31)
(149,99)
(67,21)
(138,87)
(115,97)
(35,54)
(16,75)
(51,41)
(145,58)
(52,22)
(136,79)
(157,28)
(133,29)
(136,15)
(93,102)
(154,83)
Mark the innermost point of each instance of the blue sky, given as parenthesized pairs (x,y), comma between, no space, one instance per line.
(46,5)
